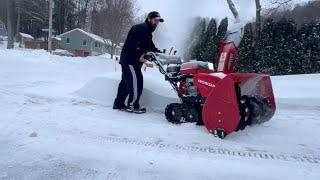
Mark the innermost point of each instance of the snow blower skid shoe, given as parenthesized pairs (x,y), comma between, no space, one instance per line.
(238,101)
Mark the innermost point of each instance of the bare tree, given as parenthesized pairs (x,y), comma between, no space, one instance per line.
(82,8)
(3,13)
(113,21)
(279,3)
(276,5)
(18,8)
(31,16)
(258,19)
(35,9)
(233,9)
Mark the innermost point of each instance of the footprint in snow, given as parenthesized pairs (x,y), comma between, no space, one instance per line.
(33,135)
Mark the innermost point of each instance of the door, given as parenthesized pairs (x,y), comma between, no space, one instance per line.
(79,53)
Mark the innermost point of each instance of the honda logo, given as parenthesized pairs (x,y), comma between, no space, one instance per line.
(206,83)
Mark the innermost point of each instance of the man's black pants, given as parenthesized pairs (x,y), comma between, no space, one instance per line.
(131,84)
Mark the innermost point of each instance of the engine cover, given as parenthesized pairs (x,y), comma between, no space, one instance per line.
(173,69)
(196,67)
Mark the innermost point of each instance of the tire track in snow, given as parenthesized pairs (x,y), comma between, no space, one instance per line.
(215,150)
(190,148)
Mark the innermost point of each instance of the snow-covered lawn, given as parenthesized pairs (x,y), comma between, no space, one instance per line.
(56,122)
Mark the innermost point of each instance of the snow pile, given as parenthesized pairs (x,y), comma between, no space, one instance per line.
(297,89)
(297,86)
(157,94)
(62,52)
(26,35)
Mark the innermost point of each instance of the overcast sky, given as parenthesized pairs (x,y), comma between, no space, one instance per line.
(177,13)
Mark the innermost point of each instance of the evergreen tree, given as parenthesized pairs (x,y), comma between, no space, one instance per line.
(265,52)
(282,47)
(193,39)
(210,49)
(316,50)
(222,30)
(283,40)
(196,53)
(246,61)
(314,46)
(209,37)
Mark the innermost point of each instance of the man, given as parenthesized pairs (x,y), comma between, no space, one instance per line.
(137,44)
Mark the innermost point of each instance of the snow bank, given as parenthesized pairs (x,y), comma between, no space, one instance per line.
(297,86)
(104,90)
(297,89)
(294,90)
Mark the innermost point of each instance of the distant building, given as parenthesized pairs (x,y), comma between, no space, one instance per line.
(23,38)
(82,43)
(3,30)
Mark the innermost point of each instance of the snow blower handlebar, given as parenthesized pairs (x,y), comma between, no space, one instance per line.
(161,60)
(152,57)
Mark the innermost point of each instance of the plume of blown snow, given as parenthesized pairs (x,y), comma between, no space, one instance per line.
(178,15)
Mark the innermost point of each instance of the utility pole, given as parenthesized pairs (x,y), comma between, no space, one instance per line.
(10,26)
(51,5)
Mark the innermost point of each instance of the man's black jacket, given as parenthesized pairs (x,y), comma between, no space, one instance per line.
(139,41)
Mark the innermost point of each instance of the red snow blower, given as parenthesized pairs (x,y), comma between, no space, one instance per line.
(222,100)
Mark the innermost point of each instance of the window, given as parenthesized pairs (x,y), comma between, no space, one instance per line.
(96,44)
(84,43)
(68,40)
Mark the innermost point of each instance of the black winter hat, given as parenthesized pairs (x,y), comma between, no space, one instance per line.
(155,15)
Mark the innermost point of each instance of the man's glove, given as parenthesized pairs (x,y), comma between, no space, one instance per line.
(148,57)
(147,65)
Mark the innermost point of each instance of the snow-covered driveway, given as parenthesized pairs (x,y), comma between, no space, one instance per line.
(56,122)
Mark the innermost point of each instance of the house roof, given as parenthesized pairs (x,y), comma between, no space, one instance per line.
(57,38)
(26,35)
(93,36)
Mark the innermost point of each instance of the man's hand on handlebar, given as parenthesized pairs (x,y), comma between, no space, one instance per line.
(142,59)
(149,56)
(148,65)
(145,59)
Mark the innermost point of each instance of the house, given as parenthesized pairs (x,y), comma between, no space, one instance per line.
(23,38)
(82,43)
(38,43)
(3,31)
